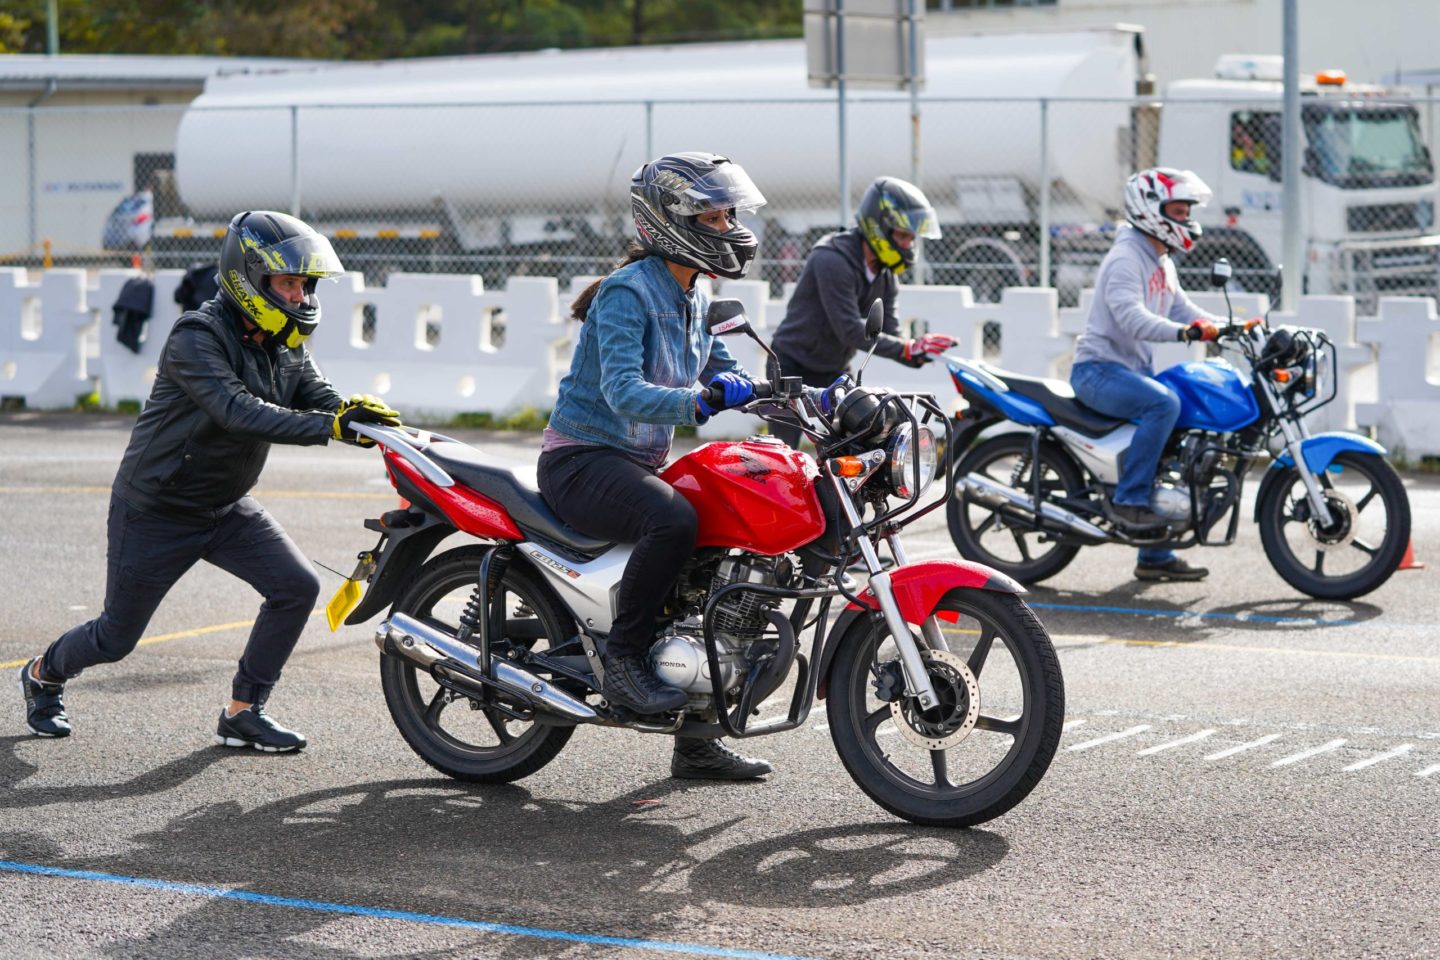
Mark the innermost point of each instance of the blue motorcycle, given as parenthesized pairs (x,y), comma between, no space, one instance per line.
(1333,514)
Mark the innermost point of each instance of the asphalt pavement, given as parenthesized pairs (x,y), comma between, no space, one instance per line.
(1245,773)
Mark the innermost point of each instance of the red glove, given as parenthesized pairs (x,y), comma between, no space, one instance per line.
(926,346)
(1199,330)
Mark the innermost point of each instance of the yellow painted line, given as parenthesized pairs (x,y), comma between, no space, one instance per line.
(178,635)
(274,494)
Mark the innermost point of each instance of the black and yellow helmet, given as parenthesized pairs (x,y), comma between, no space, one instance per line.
(892,204)
(263,243)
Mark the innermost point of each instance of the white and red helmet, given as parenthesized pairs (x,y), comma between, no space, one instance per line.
(1146,194)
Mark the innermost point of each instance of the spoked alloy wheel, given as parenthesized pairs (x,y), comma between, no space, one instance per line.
(999,538)
(1360,549)
(454,733)
(992,736)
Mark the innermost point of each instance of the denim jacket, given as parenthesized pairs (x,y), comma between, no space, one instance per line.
(642,350)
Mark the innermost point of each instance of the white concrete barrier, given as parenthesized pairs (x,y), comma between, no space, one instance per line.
(57,343)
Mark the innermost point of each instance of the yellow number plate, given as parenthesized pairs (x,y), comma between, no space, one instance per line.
(346,599)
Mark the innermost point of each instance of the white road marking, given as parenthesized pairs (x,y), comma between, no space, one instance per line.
(1174,743)
(1110,738)
(1399,751)
(1072,723)
(1269,737)
(1307,754)
(1428,770)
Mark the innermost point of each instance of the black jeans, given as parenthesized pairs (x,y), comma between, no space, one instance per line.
(790,433)
(148,554)
(602,492)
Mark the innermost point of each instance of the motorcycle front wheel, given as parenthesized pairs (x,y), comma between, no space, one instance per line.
(992,736)
(1004,538)
(1363,545)
(458,735)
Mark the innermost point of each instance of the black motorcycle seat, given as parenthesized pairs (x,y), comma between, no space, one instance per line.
(1057,397)
(514,487)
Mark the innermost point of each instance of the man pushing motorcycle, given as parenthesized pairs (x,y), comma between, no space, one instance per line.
(1138,301)
(234,377)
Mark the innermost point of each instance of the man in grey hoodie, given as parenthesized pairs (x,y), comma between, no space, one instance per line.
(1138,301)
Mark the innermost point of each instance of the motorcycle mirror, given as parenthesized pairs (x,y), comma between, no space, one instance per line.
(874,321)
(727,316)
(1220,273)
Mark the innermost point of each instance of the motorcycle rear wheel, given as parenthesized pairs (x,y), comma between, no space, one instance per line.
(989,535)
(455,734)
(1364,546)
(987,744)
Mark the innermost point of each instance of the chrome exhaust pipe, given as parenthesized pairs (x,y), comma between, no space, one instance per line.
(983,490)
(426,646)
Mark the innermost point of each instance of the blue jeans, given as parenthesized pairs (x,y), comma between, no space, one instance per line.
(1117,391)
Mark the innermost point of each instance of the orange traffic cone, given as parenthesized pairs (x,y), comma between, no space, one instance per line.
(135,261)
(1408,562)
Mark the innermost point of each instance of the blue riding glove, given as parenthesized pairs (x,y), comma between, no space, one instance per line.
(726,390)
(829,397)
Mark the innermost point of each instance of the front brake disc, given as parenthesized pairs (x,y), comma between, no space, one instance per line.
(954,717)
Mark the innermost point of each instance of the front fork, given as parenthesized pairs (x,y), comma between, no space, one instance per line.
(1295,432)
(917,680)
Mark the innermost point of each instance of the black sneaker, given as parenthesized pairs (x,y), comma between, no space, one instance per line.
(711,760)
(1175,569)
(44,705)
(629,682)
(252,728)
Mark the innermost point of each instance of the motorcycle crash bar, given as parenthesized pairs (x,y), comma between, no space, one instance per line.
(983,490)
(425,646)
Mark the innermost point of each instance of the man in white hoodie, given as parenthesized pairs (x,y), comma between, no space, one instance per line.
(1138,301)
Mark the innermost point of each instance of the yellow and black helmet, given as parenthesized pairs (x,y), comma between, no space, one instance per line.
(892,204)
(261,244)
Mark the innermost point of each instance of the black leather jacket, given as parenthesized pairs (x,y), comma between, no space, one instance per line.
(218,403)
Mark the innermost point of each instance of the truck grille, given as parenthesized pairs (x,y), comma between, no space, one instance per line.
(1391,217)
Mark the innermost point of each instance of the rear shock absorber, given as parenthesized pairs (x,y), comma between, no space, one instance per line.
(480,619)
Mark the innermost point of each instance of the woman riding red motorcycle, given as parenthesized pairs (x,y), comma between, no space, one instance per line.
(642,351)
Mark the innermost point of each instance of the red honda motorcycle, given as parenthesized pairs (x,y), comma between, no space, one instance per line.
(944,695)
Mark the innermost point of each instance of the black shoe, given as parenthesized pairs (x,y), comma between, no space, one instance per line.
(1175,569)
(1135,519)
(252,728)
(712,760)
(44,706)
(629,682)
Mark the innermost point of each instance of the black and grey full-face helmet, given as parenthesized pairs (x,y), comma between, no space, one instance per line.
(261,244)
(668,194)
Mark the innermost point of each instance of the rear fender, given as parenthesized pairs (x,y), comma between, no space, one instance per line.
(405,550)
(918,587)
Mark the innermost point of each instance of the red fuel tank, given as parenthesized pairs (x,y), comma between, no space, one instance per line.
(757,495)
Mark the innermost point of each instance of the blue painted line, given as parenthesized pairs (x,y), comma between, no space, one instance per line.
(321,906)
(1202,615)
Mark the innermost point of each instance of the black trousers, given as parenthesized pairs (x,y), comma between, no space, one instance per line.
(603,492)
(148,554)
(790,433)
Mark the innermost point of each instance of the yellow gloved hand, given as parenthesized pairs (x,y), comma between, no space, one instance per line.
(362,408)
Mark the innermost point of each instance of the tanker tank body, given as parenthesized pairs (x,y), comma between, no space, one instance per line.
(488,138)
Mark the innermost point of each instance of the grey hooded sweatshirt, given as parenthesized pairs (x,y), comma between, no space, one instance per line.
(1138,300)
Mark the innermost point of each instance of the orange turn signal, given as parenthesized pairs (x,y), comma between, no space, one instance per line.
(1252,323)
(1281,376)
(847,466)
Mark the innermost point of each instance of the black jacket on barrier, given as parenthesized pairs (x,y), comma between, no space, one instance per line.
(219,401)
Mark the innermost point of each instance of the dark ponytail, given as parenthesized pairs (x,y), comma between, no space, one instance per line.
(581,306)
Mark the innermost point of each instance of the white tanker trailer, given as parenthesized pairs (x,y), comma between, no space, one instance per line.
(502,162)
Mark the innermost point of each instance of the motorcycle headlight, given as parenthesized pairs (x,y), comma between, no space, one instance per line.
(907,445)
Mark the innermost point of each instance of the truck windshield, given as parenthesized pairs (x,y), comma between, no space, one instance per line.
(1357,147)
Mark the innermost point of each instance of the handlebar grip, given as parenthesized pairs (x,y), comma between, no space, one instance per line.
(713,397)
(764,389)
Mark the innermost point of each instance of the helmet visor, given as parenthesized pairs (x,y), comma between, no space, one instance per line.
(307,256)
(920,221)
(726,187)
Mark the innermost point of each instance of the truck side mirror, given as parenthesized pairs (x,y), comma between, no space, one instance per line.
(727,316)
(1220,273)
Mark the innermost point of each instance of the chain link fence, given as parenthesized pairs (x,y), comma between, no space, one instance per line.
(1028,191)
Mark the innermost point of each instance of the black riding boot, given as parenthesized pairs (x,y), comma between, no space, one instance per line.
(696,759)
